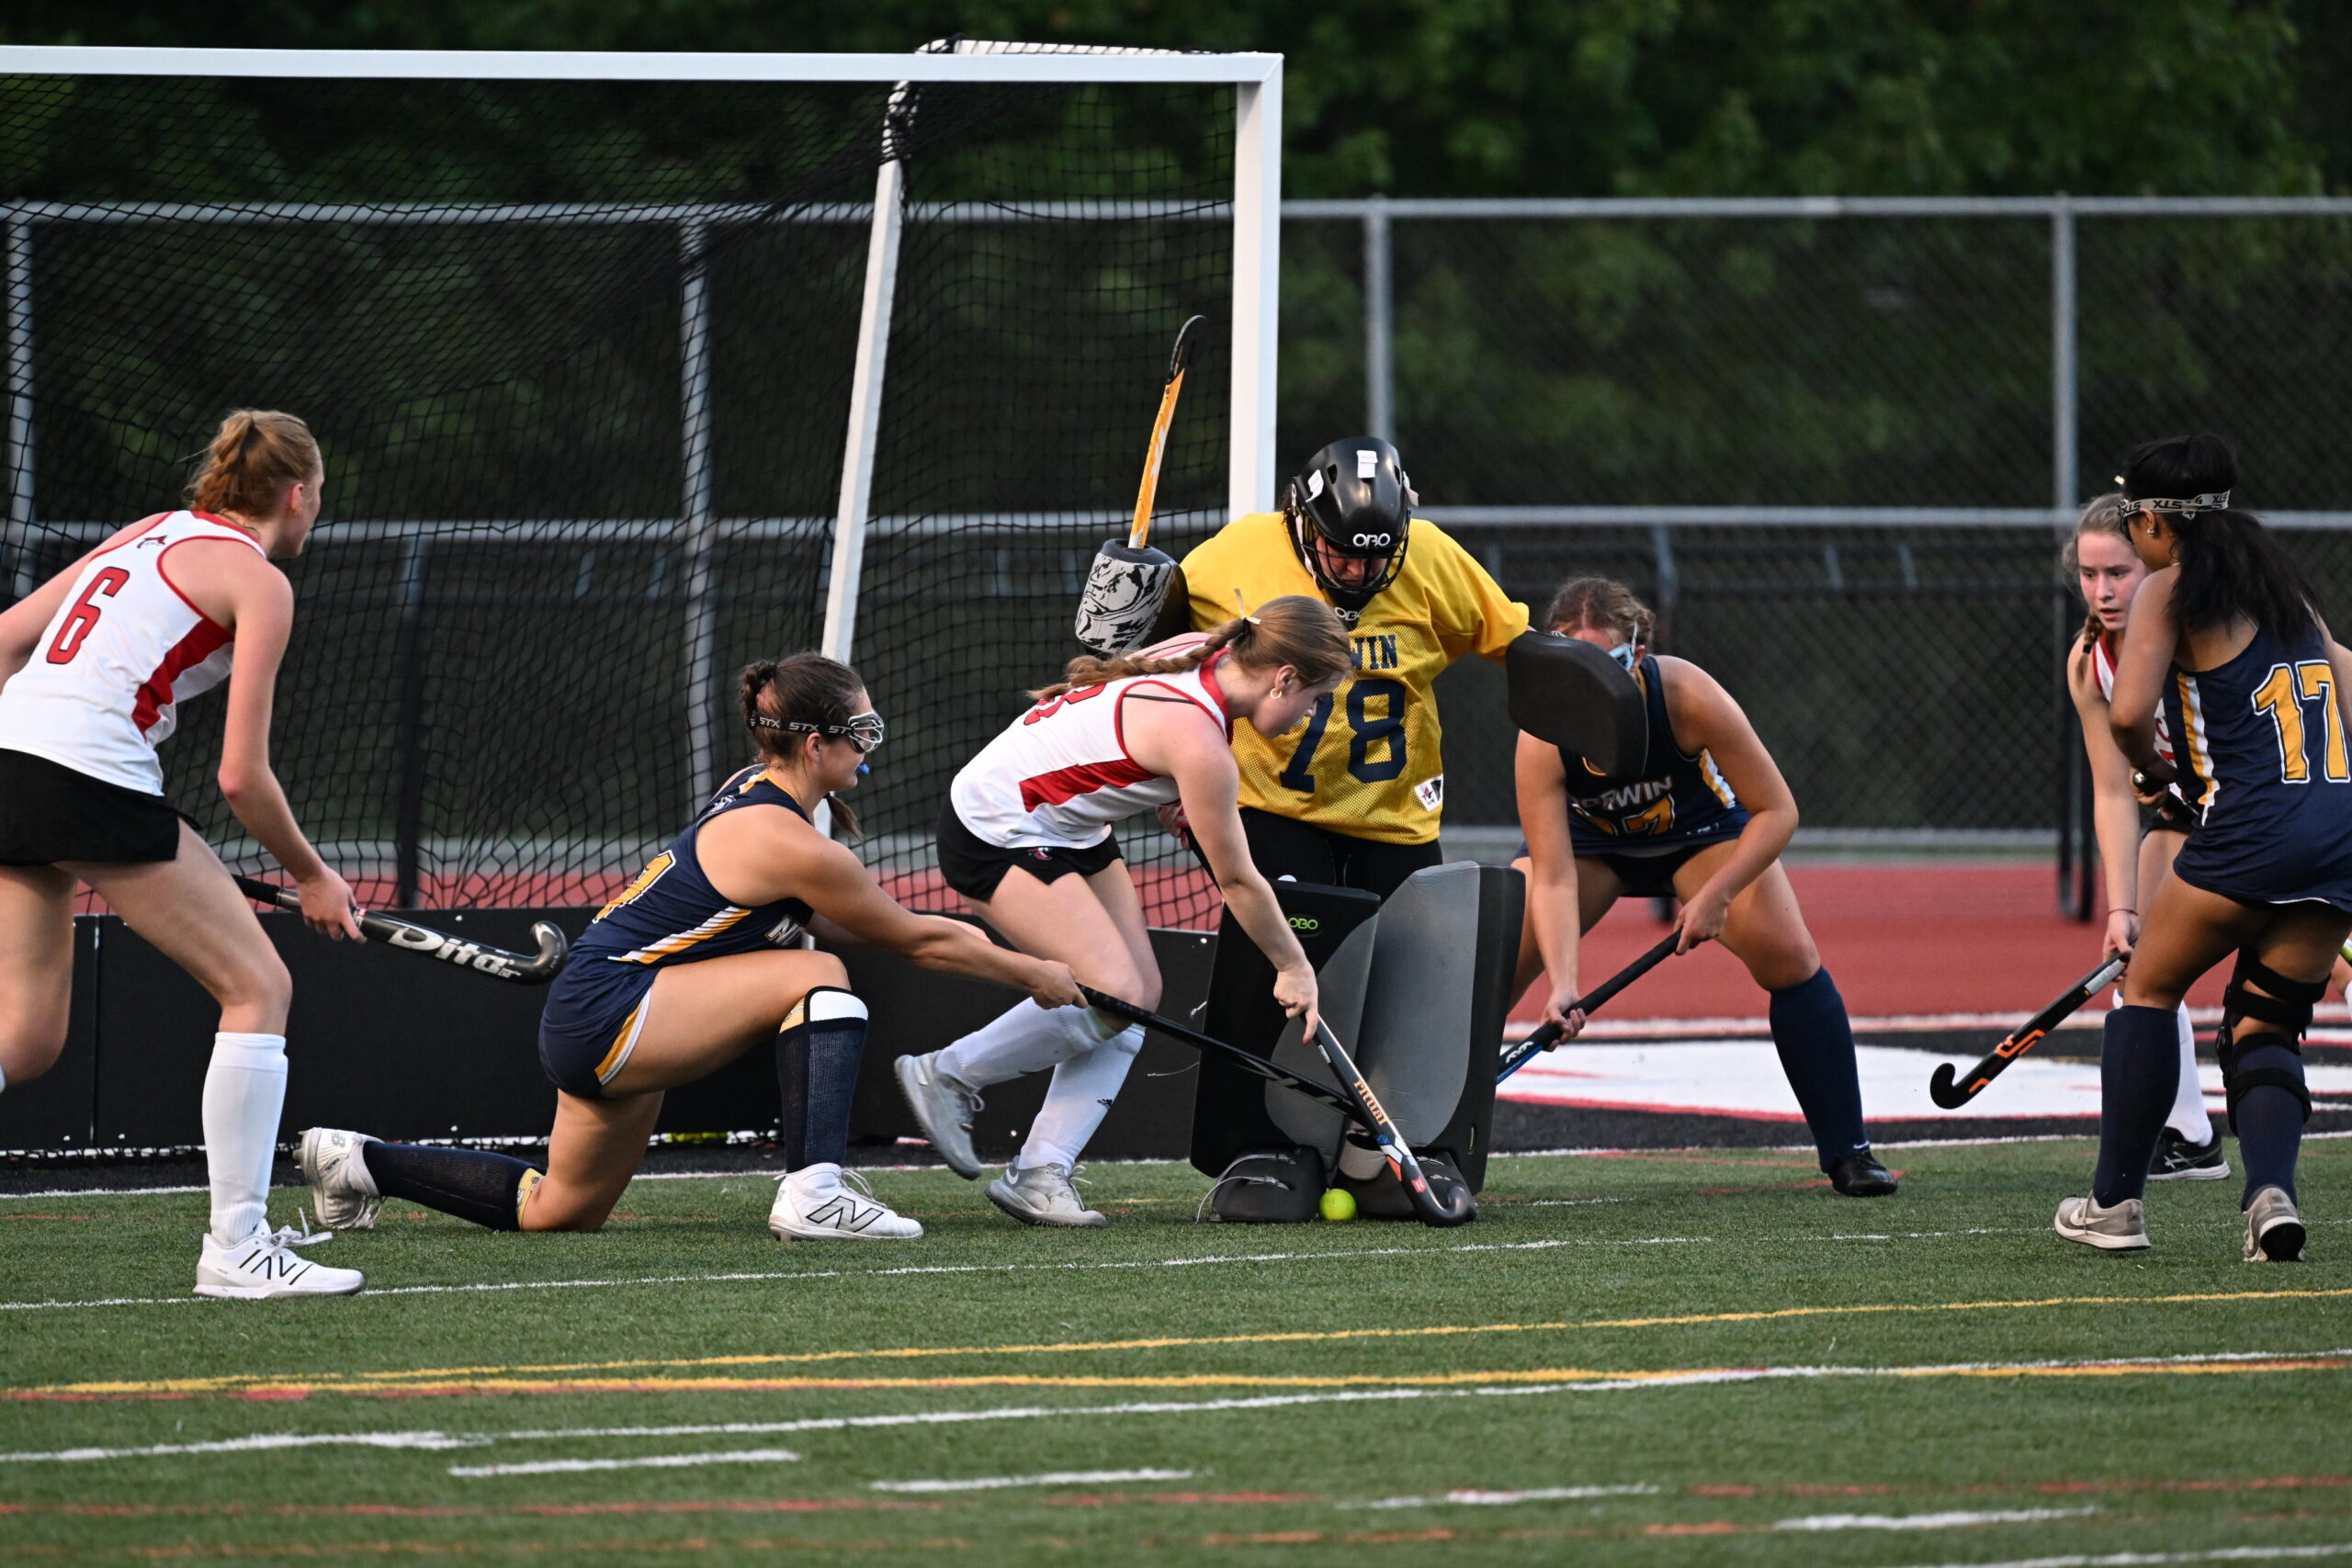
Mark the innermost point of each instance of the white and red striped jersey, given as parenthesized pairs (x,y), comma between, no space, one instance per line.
(2103,666)
(1060,774)
(103,687)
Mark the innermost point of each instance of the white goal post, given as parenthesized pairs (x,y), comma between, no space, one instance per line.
(1257,81)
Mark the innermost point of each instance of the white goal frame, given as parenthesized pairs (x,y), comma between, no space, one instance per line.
(1257,80)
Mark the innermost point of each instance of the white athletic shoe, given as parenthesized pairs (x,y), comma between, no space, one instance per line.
(945,1107)
(2273,1228)
(836,1212)
(342,1194)
(2122,1228)
(1045,1195)
(266,1264)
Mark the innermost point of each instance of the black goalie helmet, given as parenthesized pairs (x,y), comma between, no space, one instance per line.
(1353,501)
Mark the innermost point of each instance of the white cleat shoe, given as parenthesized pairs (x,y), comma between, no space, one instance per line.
(2273,1228)
(945,1107)
(841,1210)
(266,1264)
(1045,1195)
(2122,1228)
(342,1192)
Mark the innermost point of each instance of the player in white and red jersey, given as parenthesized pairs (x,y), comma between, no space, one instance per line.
(1026,837)
(96,661)
(2138,833)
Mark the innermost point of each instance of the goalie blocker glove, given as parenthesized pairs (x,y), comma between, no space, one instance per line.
(1126,589)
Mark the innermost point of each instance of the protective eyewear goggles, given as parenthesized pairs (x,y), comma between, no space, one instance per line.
(862,730)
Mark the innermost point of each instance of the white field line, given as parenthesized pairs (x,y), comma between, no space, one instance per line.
(1928,1521)
(259,1442)
(1472,1498)
(2151,1559)
(917,1170)
(1050,1478)
(643,1461)
(1307,1257)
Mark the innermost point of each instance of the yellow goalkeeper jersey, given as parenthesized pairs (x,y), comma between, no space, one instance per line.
(1366,763)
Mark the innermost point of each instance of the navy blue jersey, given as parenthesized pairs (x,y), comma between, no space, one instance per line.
(2260,746)
(1674,798)
(671,914)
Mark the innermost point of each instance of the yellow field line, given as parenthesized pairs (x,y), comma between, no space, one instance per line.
(395,1378)
(1588,1376)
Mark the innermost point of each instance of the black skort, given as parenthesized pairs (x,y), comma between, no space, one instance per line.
(50,813)
(973,866)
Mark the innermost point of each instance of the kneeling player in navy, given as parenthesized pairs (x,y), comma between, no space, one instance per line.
(1704,818)
(696,963)
(2224,637)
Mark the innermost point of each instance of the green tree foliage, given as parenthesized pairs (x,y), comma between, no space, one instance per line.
(1584,98)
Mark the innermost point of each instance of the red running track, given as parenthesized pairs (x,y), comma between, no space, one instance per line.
(1909,939)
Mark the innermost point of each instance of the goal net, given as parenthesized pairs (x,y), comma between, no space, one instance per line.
(590,360)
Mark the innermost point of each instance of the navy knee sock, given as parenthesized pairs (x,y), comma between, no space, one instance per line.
(473,1184)
(816,1070)
(1817,1046)
(2139,1070)
(2268,1122)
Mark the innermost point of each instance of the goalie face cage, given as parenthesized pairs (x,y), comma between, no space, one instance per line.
(629,369)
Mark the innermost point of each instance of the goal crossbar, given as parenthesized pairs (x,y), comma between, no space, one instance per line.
(1069,67)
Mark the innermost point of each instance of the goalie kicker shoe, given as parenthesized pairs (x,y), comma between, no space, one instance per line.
(2274,1229)
(265,1264)
(832,1204)
(945,1107)
(2177,1159)
(1044,1195)
(343,1193)
(2123,1228)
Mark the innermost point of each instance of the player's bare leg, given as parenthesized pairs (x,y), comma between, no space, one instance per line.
(35,969)
(1598,890)
(196,917)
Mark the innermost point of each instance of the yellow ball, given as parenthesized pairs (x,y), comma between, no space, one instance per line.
(1338,1203)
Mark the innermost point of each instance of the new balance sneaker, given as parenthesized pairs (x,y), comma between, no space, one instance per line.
(2177,1159)
(266,1264)
(840,1209)
(2273,1228)
(2122,1228)
(342,1194)
(1045,1195)
(945,1107)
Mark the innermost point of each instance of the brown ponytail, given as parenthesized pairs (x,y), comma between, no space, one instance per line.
(1602,603)
(805,688)
(1306,634)
(2100,514)
(253,458)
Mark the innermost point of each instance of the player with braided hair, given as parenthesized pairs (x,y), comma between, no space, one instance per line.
(2225,641)
(1026,837)
(696,962)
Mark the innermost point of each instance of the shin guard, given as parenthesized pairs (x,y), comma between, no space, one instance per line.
(817,1055)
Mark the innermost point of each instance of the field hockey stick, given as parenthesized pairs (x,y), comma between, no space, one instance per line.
(1944,1085)
(1148,492)
(1456,1208)
(409,937)
(1544,1038)
(1130,585)
(1356,1102)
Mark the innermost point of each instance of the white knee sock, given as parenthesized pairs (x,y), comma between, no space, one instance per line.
(2188,1118)
(1028,1039)
(1082,1090)
(245,1088)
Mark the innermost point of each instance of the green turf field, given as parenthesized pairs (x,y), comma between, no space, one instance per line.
(1659,1358)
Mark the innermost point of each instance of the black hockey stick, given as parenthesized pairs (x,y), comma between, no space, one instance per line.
(1357,1103)
(1949,1093)
(409,937)
(1544,1038)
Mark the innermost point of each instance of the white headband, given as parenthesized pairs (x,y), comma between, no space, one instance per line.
(2213,500)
